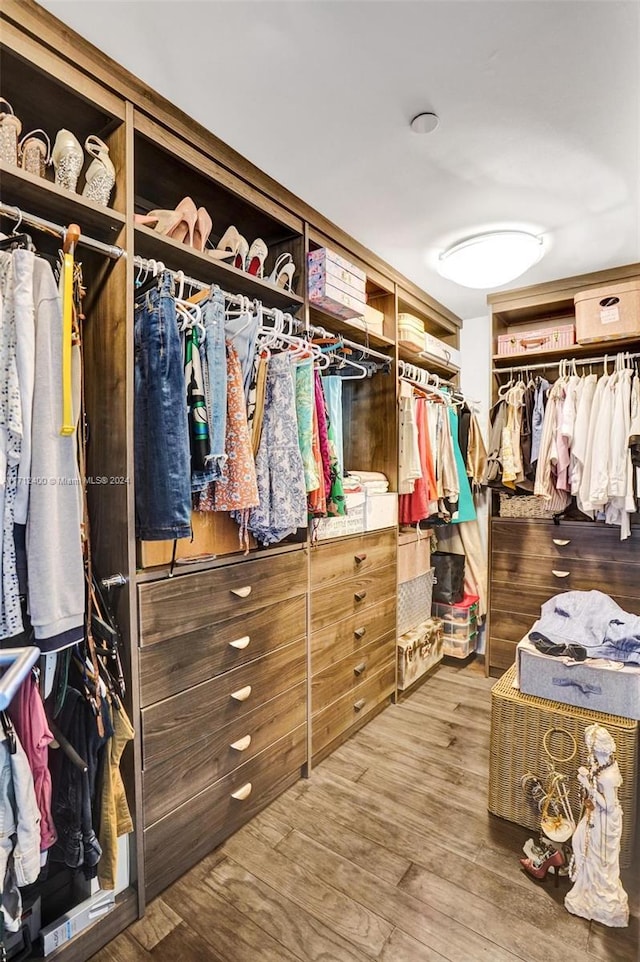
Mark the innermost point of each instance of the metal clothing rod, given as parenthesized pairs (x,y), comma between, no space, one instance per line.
(48,227)
(147,263)
(20,661)
(580,362)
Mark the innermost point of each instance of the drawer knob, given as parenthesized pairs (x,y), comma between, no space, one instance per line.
(242,693)
(240,643)
(360,632)
(241,592)
(560,574)
(359,705)
(243,792)
(359,558)
(242,744)
(359,669)
(360,595)
(562,542)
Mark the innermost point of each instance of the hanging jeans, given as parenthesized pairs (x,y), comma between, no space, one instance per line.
(242,331)
(162,456)
(214,370)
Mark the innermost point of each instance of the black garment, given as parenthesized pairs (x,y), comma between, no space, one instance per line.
(548,647)
(74,791)
(528,469)
(464,422)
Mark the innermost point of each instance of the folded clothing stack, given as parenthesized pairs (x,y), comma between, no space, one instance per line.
(352,485)
(373,482)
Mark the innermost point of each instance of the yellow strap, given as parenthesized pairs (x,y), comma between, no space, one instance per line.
(68,427)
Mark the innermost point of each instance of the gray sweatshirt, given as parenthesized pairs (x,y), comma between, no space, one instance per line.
(54,547)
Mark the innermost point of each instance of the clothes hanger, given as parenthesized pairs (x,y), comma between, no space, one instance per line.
(16,238)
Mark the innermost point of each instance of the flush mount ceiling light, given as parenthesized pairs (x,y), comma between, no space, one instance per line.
(491,259)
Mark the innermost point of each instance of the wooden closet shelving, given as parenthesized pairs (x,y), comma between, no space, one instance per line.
(532,559)
(306,655)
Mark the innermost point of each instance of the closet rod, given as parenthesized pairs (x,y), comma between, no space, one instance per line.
(146,263)
(48,227)
(580,362)
(17,662)
(321,332)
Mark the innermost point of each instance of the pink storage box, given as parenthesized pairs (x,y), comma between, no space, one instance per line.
(334,300)
(325,261)
(538,341)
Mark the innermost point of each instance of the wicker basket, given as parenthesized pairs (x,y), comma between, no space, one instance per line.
(524,506)
(518,726)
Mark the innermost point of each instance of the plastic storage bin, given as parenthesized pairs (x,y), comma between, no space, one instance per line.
(414,602)
(460,626)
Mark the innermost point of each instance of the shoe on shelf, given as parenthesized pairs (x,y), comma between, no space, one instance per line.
(256,257)
(234,242)
(178,224)
(283,271)
(67,158)
(34,152)
(202,229)
(10,128)
(101,174)
(538,869)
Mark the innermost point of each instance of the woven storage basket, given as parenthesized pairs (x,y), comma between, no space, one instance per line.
(518,726)
(414,602)
(524,506)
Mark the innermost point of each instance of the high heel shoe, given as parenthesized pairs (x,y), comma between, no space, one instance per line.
(101,174)
(10,128)
(240,261)
(256,257)
(178,223)
(538,870)
(67,158)
(232,241)
(283,271)
(34,151)
(202,229)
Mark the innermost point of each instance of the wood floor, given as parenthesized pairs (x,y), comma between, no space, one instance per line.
(386,853)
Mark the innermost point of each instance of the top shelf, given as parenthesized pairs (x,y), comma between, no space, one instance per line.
(577,351)
(177,256)
(36,195)
(350,329)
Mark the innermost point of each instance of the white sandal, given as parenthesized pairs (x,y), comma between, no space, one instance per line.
(101,174)
(67,158)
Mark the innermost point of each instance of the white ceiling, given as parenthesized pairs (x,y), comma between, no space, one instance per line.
(539,105)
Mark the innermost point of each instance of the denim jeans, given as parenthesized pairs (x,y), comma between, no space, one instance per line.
(215,388)
(242,332)
(162,455)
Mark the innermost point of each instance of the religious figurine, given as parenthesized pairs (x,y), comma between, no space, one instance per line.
(597,892)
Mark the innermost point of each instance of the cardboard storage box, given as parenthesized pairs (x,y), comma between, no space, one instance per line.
(325,261)
(414,555)
(538,341)
(381,511)
(441,351)
(350,523)
(601,685)
(418,651)
(608,313)
(335,285)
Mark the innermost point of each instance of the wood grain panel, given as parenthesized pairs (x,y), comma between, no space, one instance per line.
(351,557)
(512,625)
(344,637)
(341,602)
(503,652)
(200,763)
(524,599)
(617,580)
(187,602)
(170,725)
(585,540)
(345,675)
(335,720)
(181,839)
(171,666)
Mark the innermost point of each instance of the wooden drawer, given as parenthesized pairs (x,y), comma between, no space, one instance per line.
(201,763)
(170,725)
(342,638)
(332,563)
(181,839)
(351,597)
(581,540)
(182,604)
(178,663)
(345,675)
(502,653)
(621,581)
(335,720)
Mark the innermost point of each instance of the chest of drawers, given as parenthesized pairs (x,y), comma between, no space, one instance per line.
(353,627)
(223,666)
(531,561)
